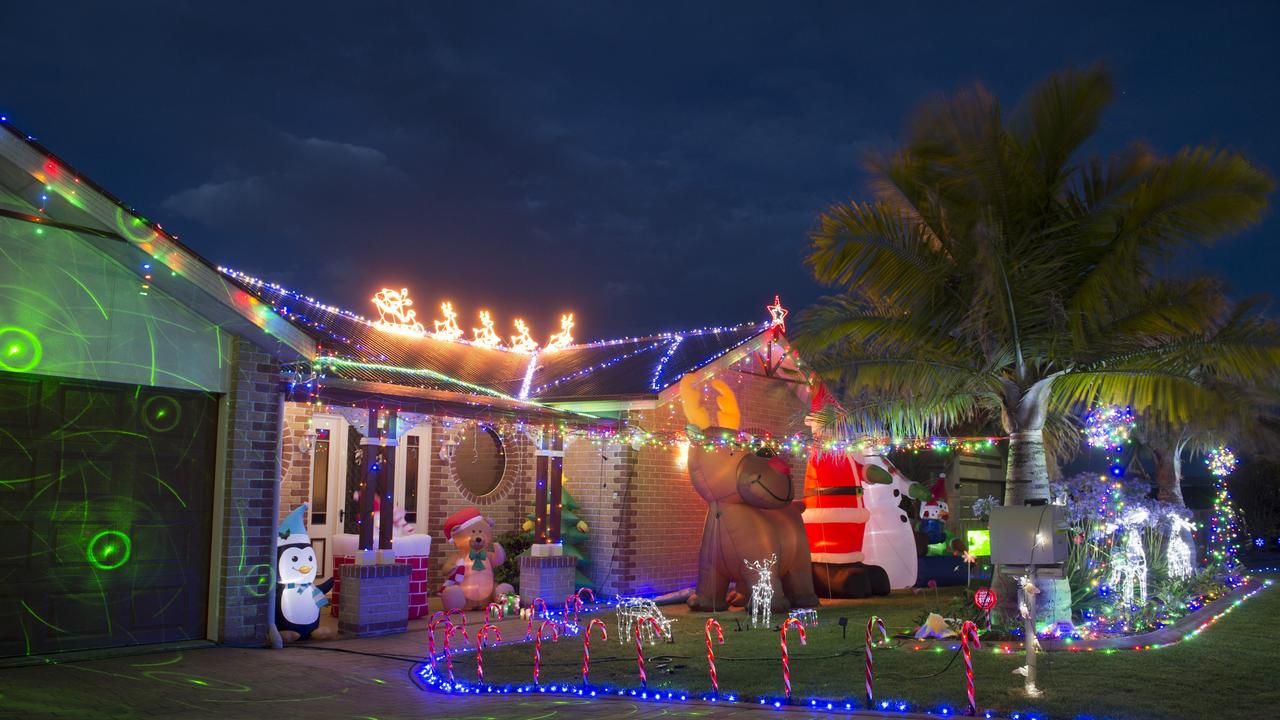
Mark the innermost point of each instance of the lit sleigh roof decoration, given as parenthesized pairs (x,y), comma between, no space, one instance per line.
(396,316)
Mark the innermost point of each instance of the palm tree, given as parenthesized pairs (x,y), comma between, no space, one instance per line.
(998,272)
(1245,417)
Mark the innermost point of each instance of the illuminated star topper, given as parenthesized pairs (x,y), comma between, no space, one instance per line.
(393,306)
(564,338)
(777,314)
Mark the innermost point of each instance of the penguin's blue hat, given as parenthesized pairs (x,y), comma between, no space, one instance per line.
(292,529)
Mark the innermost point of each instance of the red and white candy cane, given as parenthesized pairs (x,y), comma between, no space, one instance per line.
(586,646)
(574,602)
(537,646)
(711,653)
(533,613)
(448,637)
(460,614)
(495,611)
(969,630)
(786,659)
(481,636)
(588,592)
(873,623)
(640,647)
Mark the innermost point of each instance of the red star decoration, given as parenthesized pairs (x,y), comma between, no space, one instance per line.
(778,313)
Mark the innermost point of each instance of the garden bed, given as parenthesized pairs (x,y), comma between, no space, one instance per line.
(829,669)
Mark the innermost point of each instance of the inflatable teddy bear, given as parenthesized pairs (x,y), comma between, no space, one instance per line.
(470,584)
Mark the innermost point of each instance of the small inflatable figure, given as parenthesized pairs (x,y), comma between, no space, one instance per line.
(298,597)
(470,584)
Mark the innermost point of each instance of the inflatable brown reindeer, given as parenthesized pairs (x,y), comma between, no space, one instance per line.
(751,515)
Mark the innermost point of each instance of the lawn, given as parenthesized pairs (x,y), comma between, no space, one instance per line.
(1232,666)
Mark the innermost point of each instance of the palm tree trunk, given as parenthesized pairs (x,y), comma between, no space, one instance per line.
(1168,475)
(1027,475)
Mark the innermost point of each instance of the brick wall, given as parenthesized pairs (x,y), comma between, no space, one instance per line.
(600,477)
(248,550)
(295,467)
(506,506)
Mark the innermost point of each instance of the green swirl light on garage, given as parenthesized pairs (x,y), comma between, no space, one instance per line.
(109,550)
(20,349)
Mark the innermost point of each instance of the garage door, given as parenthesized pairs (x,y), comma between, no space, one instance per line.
(105,497)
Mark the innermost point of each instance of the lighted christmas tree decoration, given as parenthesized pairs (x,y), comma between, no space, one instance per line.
(448,329)
(393,306)
(777,314)
(484,336)
(522,342)
(1221,461)
(564,338)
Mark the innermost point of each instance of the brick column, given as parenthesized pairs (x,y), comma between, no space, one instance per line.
(246,561)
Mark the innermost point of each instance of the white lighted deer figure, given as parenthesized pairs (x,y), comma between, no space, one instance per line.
(762,591)
(1178,556)
(1129,564)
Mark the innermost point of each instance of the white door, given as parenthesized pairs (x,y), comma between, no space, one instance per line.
(412,475)
(328,485)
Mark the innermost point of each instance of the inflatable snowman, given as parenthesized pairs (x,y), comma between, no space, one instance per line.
(888,540)
(298,598)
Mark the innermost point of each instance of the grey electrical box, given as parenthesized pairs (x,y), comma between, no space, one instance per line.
(1030,536)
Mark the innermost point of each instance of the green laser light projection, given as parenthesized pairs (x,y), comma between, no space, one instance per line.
(109,550)
(20,349)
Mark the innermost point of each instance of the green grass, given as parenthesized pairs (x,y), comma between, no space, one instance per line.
(1233,666)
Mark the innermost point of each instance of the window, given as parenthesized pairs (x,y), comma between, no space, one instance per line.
(479,460)
(320,478)
(411,479)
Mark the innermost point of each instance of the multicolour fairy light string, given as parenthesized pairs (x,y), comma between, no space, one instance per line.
(1109,427)
(1224,528)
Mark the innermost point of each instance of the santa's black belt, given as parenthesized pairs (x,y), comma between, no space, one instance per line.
(842,490)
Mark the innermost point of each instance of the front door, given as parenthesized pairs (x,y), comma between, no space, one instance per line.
(412,470)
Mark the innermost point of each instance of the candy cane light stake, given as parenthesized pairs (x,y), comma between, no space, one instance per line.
(586,646)
(873,623)
(786,660)
(460,614)
(537,646)
(969,630)
(448,637)
(481,636)
(533,613)
(711,653)
(495,611)
(640,622)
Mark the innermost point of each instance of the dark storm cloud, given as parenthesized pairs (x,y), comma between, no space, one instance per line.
(649,165)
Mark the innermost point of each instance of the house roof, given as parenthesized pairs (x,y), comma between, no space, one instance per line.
(69,200)
(354,348)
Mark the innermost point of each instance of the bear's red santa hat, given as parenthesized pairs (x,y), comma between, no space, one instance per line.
(460,521)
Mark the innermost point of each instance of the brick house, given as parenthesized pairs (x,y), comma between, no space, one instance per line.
(158,415)
(469,405)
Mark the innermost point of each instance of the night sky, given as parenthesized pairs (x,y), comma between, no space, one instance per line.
(650,166)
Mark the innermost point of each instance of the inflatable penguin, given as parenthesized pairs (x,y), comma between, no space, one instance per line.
(298,598)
